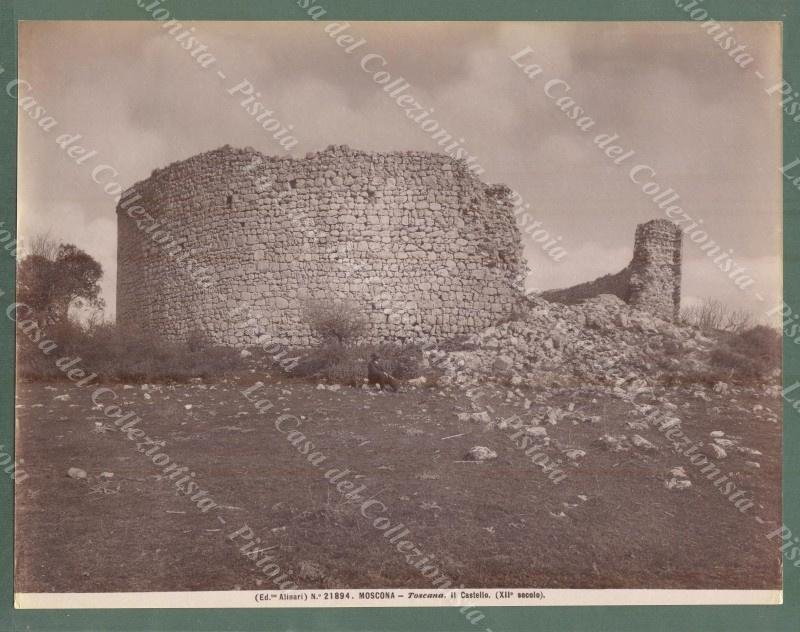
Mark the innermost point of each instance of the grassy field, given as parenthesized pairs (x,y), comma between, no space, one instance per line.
(612,522)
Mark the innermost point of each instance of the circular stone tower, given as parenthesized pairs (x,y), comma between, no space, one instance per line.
(414,239)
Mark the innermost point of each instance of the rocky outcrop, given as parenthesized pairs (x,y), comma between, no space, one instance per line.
(426,249)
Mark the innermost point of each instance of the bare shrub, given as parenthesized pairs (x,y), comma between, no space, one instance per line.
(401,361)
(339,321)
(349,369)
(706,315)
(713,315)
(317,361)
(334,362)
(739,320)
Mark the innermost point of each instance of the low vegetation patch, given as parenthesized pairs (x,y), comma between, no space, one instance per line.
(753,353)
(126,354)
(339,358)
(347,364)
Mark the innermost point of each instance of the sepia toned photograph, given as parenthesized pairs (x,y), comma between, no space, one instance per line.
(463,314)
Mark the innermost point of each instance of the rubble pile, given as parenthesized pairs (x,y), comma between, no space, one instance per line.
(601,340)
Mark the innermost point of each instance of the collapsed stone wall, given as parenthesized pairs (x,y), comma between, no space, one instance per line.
(423,247)
(652,280)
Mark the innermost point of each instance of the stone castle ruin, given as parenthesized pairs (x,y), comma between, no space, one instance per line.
(651,281)
(426,249)
(413,239)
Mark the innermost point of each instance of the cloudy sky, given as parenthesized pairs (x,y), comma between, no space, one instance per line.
(704,124)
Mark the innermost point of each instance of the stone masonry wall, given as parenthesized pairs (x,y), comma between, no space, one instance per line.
(652,280)
(426,249)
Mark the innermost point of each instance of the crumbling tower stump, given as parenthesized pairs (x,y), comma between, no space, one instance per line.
(655,270)
(650,282)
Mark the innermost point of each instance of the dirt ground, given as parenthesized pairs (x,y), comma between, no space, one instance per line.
(612,522)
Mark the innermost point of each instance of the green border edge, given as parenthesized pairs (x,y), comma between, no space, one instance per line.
(590,618)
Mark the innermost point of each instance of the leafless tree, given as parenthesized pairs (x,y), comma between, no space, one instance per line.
(41,245)
(335,320)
